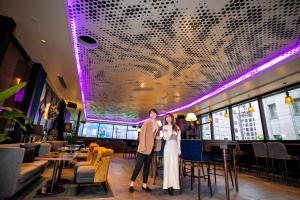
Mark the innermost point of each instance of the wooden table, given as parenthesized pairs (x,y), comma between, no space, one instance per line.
(224,145)
(57,157)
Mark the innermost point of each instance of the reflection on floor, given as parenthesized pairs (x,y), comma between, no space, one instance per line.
(251,187)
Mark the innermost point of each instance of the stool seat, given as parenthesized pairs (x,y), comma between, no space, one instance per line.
(85,174)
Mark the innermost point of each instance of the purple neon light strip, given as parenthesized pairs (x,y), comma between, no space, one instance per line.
(249,74)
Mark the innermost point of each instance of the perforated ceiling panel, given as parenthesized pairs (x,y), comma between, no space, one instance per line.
(161,53)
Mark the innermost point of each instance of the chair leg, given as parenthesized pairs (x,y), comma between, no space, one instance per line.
(199,183)
(78,188)
(208,177)
(256,163)
(184,169)
(104,186)
(267,165)
(230,173)
(192,175)
(286,171)
(203,171)
(273,169)
(215,173)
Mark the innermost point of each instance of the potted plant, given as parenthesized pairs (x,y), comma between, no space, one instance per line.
(11,113)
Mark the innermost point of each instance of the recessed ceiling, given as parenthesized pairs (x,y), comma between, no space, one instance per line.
(163,53)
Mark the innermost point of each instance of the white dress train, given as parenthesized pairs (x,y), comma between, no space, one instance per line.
(171,153)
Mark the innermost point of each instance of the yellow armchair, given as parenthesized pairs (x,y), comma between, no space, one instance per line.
(97,171)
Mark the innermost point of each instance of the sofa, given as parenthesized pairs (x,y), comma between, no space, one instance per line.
(15,174)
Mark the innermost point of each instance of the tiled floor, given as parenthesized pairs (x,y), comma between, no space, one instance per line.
(251,187)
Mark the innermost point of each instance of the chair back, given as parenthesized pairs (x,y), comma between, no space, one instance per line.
(277,150)
(191,150)
(91,151)
(102,164)
(260,149)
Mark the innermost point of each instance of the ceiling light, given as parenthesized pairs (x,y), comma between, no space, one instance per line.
(43,41)
(18,80)
(191,117)
(288,99)
(142,85)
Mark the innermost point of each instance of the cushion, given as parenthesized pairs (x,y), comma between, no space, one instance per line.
(29,155)
(30,145)
(85,171)
(30,170)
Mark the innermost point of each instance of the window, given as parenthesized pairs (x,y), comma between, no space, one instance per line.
(132,133)
(223,123)
(90,130)
(206,133)
(245,125)
(296,106)
(283,120)
(120,131)
(273,111)
(105,131)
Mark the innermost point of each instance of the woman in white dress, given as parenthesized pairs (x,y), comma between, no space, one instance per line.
(171,133)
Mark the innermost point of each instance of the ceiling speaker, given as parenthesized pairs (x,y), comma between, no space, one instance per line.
(72,105)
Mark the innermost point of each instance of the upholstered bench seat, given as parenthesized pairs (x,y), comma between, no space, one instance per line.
(28,170)
(85,174)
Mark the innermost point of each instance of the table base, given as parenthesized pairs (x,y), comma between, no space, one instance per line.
(47,190)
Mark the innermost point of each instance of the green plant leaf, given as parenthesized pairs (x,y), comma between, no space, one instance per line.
(3,137)
(11,91)
(13,115)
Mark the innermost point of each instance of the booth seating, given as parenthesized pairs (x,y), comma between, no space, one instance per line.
(15,175)
(96,170)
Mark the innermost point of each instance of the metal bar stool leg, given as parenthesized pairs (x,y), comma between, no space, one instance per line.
(199,182)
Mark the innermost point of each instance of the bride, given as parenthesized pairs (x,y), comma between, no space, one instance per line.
(171,133)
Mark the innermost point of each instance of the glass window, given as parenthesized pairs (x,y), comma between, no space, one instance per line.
(89,130)
(273,111)
(244,130)
(120,131)
(283,120)
(296,106)
(206,132)
(219,121)
(132,133)
(105,131)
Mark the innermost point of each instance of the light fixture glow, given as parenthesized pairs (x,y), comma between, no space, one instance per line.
(226,115)
(43,41)
(191,117)
(288,99)
(253,71)
(250,108)
(18,80)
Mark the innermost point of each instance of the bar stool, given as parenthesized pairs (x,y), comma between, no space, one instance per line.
(192,151)
(260,151)
(277,151)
